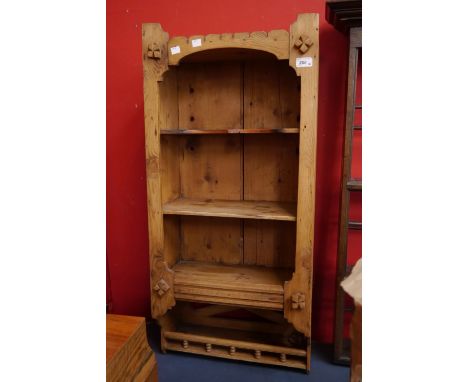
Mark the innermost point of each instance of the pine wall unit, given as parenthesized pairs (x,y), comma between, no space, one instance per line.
(231,125)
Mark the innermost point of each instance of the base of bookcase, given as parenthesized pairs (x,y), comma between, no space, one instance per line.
(195,340)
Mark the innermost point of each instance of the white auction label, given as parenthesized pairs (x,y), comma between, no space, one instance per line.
(303,62)
(175,49)
(196,42)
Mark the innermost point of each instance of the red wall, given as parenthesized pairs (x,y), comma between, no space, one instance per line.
(127,238)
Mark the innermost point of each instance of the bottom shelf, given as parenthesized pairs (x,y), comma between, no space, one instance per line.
(241,285)
(222,344)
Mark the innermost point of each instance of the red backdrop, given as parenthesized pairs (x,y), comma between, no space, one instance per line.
(127,232)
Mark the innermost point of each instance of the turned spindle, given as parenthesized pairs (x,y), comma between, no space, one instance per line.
(208,347)
(283,357)
(258,354)
(232,350)
(185,344)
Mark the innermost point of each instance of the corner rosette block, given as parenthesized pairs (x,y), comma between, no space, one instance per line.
(154,51)
(298,300)
(303,43)
(161,287)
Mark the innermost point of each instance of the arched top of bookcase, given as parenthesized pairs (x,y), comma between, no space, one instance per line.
(275,42)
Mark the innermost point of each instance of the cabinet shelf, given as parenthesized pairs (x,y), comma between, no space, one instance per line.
(229,131)
(242,209)
(241,285)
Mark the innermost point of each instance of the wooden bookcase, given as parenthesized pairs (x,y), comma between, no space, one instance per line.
(231,125)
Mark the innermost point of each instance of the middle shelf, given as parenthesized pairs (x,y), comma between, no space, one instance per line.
(229,131)
(242,209)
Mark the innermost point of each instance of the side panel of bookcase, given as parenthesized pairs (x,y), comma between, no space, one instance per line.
(154,65)
(298,291)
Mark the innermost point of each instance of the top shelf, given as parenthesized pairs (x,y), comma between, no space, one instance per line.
(229,131)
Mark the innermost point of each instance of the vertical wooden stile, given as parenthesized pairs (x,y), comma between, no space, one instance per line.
(154,38)
(306,25)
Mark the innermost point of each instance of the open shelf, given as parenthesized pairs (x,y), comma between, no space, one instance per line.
(242,209)
(241,285)
(229,131)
